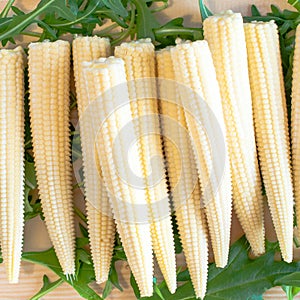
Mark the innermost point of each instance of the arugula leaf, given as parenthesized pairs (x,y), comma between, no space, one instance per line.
(85,274)
(30,178)
(47,287)
(145,20)
(117,7)
(20,22)
(254,11)
(107,289)
(295,3)
(79,17)
(243,278)
(59,7)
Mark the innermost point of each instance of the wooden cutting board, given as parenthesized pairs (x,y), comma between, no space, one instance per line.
(36,237)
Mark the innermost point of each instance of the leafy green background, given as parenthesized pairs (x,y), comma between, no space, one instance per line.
(243,278)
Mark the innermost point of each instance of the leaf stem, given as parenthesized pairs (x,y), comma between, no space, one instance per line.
(80,214)
(7,8)
(127,32)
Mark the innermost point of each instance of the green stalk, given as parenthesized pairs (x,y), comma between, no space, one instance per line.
(31,16)
(7,8)
(127,32)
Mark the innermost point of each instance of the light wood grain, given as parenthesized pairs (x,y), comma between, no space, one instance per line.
(36,237)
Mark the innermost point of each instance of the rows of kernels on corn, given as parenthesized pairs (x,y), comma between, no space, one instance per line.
(201,100)
(295,126)
(11,160)
(49,76)
(139,57)
(271,128)
(182,173)
(105,81)
(226,39)
(101,226)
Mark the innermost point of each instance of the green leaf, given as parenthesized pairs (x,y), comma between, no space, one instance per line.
(85,274)
(276,11)
(17,11)
(47,287)
(204,11)
(292,279)
(145,20)
(19,23)
(134,286)
(30,178)
(80,17)
(83,230)
(114,278)
(295,3)
(243,278)
(291,291)
(117,7)
(58,7)
(158,292)
(107,289)
(254,11)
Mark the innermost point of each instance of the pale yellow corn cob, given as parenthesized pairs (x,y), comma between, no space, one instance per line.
(182,173)
(49,72)
(139,57)
(226,39)
(11,160)
(100,223)
(271,128)
(105,81)
(295,127)
(203,110)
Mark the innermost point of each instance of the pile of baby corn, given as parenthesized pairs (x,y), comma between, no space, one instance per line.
(219,109)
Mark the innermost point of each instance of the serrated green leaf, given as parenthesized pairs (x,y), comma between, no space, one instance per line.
(81,16)
(47,287)
(254,11)
(19,23)
(59,8)
(276,11)
(17,11)
(85,274)
(145,20)
(117,7)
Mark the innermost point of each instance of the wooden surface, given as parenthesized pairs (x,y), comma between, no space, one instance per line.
(36,237)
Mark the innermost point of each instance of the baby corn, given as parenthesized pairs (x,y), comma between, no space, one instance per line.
(271,127)
(11,159)
(201,99)
(295,126)
(100,223)
(139,57)
(49,76)
(226,39)
(182,172)
(104,80)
